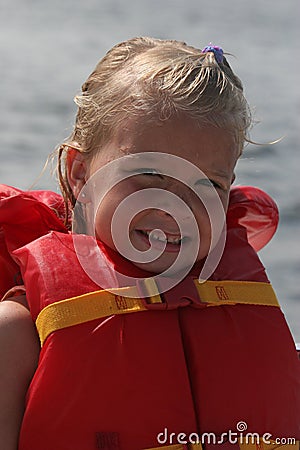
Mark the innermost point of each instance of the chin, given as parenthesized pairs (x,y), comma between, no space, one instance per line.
(159,267)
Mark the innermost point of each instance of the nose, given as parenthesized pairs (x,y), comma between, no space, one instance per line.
(181,190)
(167,216)
(174,200)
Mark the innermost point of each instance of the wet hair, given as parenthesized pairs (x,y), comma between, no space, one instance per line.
(156,80)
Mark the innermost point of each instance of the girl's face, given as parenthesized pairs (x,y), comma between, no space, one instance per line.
(212,153)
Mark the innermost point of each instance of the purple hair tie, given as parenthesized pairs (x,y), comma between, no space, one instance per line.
(217,51)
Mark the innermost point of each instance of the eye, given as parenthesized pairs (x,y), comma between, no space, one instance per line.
(148,171)
(208,183)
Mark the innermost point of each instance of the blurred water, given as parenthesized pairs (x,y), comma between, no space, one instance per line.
(47,49)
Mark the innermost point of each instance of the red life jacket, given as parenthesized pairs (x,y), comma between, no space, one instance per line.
(24,216)
(120,381)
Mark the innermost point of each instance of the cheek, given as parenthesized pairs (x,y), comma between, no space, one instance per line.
(112,212)
(205,234)
(102,223)
(211,218)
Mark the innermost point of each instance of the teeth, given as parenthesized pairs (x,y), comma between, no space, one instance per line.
(162,237)
(156,235)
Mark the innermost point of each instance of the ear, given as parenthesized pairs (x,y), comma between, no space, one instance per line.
(76,170)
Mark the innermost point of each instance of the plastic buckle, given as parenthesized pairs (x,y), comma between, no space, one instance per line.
(149,293)
(183,294)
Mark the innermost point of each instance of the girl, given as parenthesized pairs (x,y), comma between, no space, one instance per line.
(147,171)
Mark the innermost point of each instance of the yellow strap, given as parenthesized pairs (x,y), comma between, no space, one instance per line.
(246,444)
(99,304)
(232,292)
(178,447)
(280,444)
(86,307)
(169,447)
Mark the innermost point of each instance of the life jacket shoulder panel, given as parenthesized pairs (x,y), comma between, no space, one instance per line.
(24,216)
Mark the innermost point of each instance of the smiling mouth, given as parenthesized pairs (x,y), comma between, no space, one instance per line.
(163,237)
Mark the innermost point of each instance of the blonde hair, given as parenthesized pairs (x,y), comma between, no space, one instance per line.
(156,79)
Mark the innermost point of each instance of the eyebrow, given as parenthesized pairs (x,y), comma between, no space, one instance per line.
(150,159)
(219,173)
(138,157)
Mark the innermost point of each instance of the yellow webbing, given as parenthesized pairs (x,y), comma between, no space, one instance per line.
(232,292)
(86,307)
(245,444)
(178,447)
(291,444)
(170,447)
(99,304)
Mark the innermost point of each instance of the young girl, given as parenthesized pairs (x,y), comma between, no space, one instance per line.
(157,324)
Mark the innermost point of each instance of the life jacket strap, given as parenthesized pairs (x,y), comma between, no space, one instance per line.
(243,444)
(99,304)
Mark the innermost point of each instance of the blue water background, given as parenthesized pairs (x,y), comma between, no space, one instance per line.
(48,48)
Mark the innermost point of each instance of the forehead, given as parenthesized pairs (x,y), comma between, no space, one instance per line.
(206,146)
